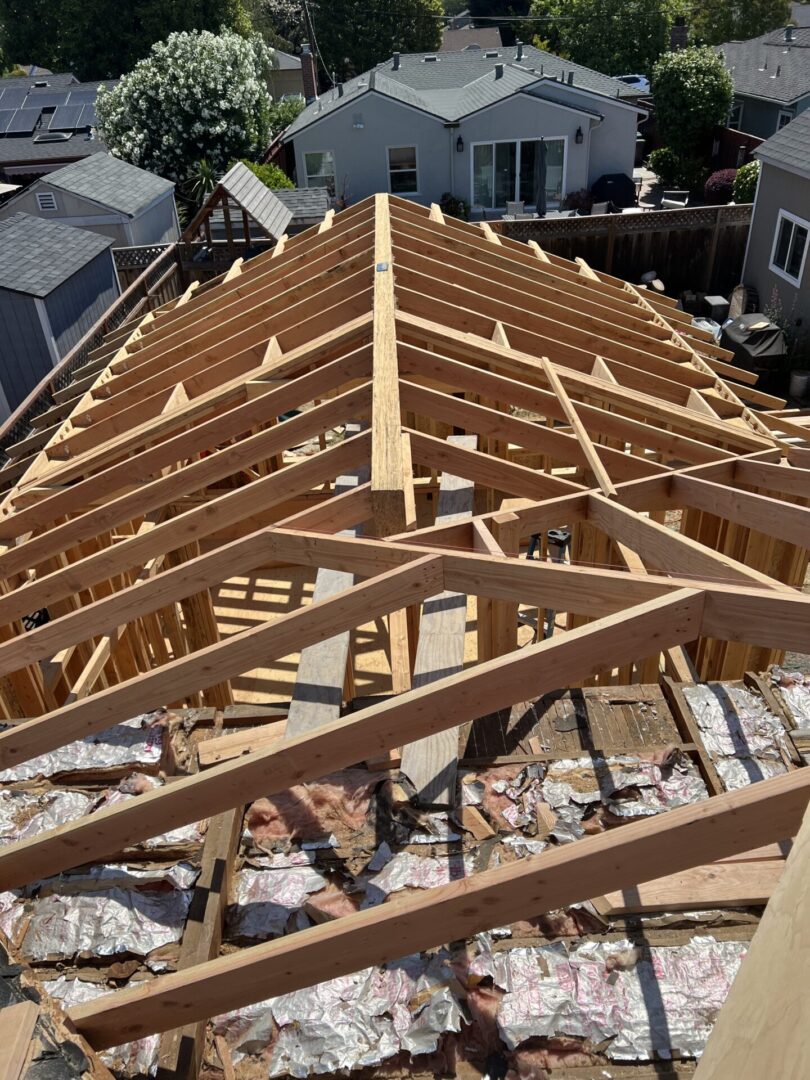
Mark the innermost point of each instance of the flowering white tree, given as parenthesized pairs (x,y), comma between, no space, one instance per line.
(197,96)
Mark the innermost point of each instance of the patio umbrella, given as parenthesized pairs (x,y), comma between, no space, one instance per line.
(540,178)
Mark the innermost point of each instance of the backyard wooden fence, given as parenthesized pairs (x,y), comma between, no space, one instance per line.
(700,248)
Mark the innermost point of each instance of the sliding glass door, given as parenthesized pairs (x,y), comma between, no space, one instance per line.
(505,171)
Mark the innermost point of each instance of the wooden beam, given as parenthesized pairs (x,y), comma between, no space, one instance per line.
(317,695)
(451,701)
(556,878)
(594,461)
(233,656)
(783,520)
(762,1029)
(17,1023)
(181,1050)
(387,471)
(430,764)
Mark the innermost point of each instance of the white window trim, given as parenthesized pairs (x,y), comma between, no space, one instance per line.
(784,112)
(402,146)
(492,142)
(786,215)
(306,153)
(736,107)
(50,197)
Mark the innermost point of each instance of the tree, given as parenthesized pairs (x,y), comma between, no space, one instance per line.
(354,35)
(692,91)
(282,114)
(270,175)
(615,37)
(197,97)
(717,21)
(98,39)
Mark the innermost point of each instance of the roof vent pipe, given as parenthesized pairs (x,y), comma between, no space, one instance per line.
(570,78)
(519,50)
(789,35)
(499,71)
(396,61)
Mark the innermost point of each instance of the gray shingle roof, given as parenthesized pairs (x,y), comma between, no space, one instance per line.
(266,209)
(111,182)
(770,67)
(459,83)
(789,147)
(39,146)
(37,255)
(308,205)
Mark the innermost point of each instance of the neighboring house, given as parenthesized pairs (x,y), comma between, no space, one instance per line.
(46,121)
(771,79)
(241,209)
(468,123)
(130,205)
(800,14)
(55,283)
(776,261)
(286,78)
(471,37)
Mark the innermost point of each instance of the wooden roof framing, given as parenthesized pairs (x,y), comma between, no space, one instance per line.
(169,471)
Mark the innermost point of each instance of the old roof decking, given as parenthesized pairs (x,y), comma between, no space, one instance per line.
(113,183)
(594,405)
(38,255)
(769,67)
(455,84)
(789,148)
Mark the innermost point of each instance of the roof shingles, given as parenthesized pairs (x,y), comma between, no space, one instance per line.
(789,147)
(455,84)
(113,183)
(37,255)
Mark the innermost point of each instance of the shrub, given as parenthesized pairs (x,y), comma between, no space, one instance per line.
(692,175)
(271,175)
(665,163)
(578,200)
(449,204)
(745,182)
(692,90)
(719,187)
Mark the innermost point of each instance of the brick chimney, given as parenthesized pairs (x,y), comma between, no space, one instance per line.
(309,73)
(678,35)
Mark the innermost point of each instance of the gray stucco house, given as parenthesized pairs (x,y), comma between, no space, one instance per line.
(771,77)
(419,125)
(55,283)
(776,260)
(130,205)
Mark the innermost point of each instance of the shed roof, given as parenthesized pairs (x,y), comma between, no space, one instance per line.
(114,183)
(37,255)
(790,147)
(263,205)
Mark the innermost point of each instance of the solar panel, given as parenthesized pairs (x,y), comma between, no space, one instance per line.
(13,97)
(23,122)
(89,116)
(5,118)
(66,118)
(44,99)
(83,97)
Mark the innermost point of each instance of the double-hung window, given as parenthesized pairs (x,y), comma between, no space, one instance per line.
(320,168)
(790,247)
(403,178)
